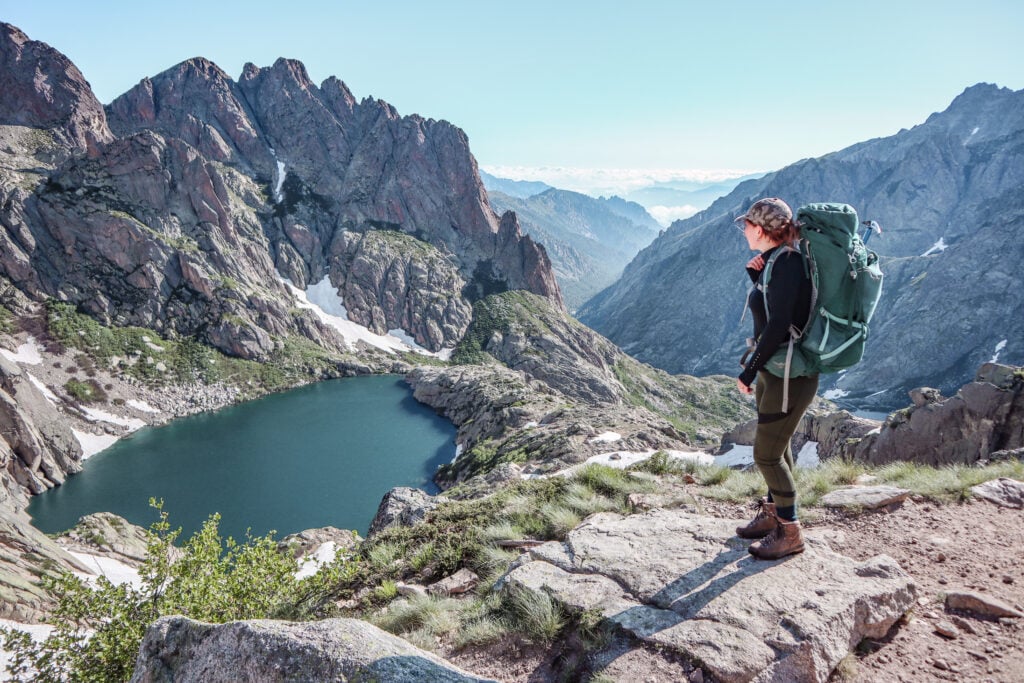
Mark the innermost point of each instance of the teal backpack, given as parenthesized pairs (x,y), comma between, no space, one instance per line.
(846,285)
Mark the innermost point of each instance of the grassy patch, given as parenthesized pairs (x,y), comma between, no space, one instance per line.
(947,484)
(88,391)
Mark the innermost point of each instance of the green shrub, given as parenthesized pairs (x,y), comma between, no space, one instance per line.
(86,392)
(213,581)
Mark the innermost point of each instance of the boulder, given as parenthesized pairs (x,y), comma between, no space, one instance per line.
(984,417)
(403,506)
(1002,491)
(984,605)
(185,651)
(864,497)
(306,542)
(686,582)
(460,582)
(107,534)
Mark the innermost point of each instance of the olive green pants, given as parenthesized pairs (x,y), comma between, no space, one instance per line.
(773,453)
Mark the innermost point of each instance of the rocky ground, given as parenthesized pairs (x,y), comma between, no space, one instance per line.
(946,548)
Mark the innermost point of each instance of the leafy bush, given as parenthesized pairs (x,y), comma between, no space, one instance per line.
(99,630)
(86,392)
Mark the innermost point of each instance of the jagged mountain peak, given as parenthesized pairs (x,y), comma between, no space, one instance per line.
(42,88)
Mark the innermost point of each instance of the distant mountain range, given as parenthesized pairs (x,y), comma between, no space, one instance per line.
(588,240)
(949,194)
(513,188)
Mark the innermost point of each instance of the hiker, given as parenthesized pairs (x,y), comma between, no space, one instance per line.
(768,227)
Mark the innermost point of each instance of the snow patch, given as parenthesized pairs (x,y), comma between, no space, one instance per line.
(531,424)
(93,443)
(458,451)
(606,437)
(999,349)
(115,571)
(833,394)
(936,248)
(39,633)
(310,565)
(973,132)
(95,415)
(808,455)
(141,406)
(45,390)
(742,456)
(623,459)
(325,303)
(278,197)
(27,353)
(322,298)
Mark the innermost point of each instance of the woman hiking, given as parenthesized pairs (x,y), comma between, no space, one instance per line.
(769,229)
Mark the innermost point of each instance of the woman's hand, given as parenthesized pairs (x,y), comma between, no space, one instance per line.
(744,389)
(756,263)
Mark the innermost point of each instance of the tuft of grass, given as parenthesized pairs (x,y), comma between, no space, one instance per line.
(423,556)
(722,483)
(386,591)
(560,519)
(383,555)
(610,481)
(437,615)
(950,483)
(481,632)
(535,614)
(586,501)
(499,531)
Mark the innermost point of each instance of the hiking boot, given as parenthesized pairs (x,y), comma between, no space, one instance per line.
(785,539)
(762,523)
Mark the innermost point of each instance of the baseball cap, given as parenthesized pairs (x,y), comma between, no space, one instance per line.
(771,214)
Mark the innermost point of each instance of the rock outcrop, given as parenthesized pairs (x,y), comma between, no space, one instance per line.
(984,417)
(948,193)
(686,583)
(213,190)
(44,90)
(403,506)
(186,651)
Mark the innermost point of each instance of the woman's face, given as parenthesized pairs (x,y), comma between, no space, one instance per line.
(755,236)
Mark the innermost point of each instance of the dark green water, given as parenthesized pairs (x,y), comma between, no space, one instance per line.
(321,455)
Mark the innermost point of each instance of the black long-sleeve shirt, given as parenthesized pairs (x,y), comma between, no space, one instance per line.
(789,303)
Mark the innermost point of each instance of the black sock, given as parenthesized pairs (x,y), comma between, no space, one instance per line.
(786,512)
(770,499)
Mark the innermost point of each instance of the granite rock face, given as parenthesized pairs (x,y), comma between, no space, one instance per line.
(184,214)
(403,506)
(949,194)
(44,90)
(984,417)
(186,651)
(686,582)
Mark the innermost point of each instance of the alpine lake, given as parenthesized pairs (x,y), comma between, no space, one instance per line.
(320,455)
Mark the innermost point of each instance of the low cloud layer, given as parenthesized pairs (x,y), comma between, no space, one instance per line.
(612,181)
(665,215)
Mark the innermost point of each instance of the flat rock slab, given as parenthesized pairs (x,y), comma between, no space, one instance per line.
(1002,491)
(864,497)
(985,605)
(686,582)
(185,651)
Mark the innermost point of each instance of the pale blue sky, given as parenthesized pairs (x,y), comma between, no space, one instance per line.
(638,85)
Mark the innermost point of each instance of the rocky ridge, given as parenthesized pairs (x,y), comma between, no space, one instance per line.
(203,192)
(947,193)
